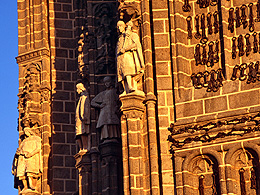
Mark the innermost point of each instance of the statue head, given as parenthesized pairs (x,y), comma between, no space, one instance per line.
(28,131)
(80,88)
(129,26)
(108,82)
(121,26)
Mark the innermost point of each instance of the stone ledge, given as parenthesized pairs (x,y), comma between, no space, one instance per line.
(32,54)
(232,127)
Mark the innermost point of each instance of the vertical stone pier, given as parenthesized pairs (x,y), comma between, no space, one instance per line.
(111,167)
(83,164)
(135,166)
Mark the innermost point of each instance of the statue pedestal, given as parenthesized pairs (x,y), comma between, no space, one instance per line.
(83,164)
(29,192)
(111,166)
(134,144)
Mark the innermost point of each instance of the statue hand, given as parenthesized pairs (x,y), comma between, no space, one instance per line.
(122,50)
(26,154)
(102,105)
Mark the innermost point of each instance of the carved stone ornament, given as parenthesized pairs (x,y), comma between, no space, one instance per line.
(130,61)
(27,163)
(29,103)
(105,34)
(82,44)
(82,119)
(202,133)
(130,11)
(107,102)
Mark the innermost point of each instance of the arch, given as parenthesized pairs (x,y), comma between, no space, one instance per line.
(202,165)
(243,169)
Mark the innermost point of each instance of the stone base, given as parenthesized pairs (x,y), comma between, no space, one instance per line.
(29,192)
(132,101)
(82,158)
(110,147)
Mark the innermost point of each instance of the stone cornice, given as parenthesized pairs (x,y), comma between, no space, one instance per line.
(32,54)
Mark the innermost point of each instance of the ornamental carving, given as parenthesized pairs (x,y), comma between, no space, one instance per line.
(202,133)
(29,103)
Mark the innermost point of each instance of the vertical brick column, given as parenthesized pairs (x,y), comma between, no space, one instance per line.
(133,142)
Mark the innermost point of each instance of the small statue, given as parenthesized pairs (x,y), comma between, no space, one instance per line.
(108,120)
(130,62)
(27,163)
(82,118)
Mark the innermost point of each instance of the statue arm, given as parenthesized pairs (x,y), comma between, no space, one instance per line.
(97,102)
(35,151)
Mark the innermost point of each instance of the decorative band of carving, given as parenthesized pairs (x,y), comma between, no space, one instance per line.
(32,54)
(237,126)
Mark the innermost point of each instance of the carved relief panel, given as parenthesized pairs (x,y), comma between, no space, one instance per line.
(203,176)
(246,172)
(29,103)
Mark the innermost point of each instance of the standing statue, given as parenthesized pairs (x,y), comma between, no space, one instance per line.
(27,164)
(130,62)
(82,118)
(108,120)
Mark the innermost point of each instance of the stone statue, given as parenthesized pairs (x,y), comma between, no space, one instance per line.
(130,62)
(27,164)
(82,118)
(108,120)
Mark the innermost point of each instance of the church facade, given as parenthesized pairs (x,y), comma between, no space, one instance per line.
(138,97)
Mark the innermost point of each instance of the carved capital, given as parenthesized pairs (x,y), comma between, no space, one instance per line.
(132,102)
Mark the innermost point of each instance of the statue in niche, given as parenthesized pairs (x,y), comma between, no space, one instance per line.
(107,102)
(27,163)
(82,118)
(130,62)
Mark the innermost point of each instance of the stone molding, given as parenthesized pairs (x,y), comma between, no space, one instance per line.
(32,55)
(236,126)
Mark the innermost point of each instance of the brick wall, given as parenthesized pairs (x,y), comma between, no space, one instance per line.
(63,45)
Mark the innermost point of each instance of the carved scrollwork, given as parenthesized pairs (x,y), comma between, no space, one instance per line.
(205,129)
(247,71)
(105,35)
(211,80)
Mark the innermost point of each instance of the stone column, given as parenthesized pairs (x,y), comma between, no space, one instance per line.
(83,164)
(134,150)
(111,167)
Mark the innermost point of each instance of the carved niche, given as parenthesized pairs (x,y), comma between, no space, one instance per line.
(30,98)
(204,175)
(105,33)
(246,171)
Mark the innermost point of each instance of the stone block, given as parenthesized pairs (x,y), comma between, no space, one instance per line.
(58,185)
(59,137)
(57,106)
(58,161)
(189,109)
(61,118)
(162,54)
(62,173)
(164,83)
(70,107)
(216,104)
(161,40)
(159,4)
(159,26)
(61,149)
(70,186)
(244,99)
(64,33)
